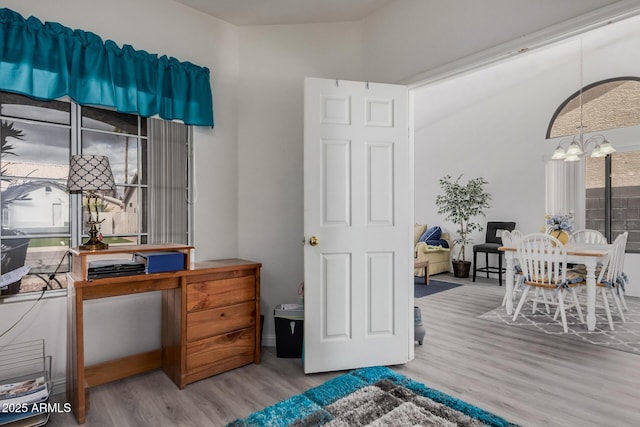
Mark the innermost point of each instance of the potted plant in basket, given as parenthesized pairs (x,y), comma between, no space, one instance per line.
(460,203)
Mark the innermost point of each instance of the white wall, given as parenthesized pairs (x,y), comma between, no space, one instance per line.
(274,60)
(409,37)
(48,321)
(492,123)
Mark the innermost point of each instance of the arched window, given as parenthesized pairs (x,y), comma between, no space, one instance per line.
(607,104)
(611,184)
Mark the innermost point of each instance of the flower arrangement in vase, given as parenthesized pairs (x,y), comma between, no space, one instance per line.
(559,226)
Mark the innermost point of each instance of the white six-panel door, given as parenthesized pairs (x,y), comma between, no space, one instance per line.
(358,207)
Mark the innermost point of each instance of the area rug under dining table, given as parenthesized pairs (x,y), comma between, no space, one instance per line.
(376,396)
(624,337)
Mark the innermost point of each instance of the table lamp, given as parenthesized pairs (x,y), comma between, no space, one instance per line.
(91,173)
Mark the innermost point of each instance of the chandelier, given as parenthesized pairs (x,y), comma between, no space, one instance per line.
(578,146)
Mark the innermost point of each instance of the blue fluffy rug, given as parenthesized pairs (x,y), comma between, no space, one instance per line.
(374,396)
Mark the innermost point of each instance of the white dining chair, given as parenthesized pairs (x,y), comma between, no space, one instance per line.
(609,280)
(512,239)
(587,236)
(543,260)
(608,277)
(622,280)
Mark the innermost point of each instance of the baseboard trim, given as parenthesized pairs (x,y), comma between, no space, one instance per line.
(59,386)
(268,340)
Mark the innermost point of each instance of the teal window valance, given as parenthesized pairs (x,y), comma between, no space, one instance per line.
(49,61)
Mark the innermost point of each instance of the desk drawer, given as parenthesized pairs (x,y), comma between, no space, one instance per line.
(221,349)
(215,293)
(216,321)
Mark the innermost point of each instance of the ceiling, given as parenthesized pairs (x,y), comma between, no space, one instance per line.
(276,12)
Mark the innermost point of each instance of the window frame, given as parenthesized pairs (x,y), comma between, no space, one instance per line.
(76,233)
(576,95)
(578,178)
(609,194)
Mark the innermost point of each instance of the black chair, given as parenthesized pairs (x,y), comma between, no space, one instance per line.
(491,244)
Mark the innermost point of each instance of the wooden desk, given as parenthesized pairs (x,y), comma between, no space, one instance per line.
(589,255)
(210,320)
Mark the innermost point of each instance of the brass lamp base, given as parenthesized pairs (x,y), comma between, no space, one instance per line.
(93,244)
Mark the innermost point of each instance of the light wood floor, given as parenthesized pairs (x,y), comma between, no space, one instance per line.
(527,377)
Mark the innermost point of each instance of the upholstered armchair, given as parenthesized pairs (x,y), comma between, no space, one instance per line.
(435,250)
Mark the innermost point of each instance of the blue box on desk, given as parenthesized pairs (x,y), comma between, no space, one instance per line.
(161,262)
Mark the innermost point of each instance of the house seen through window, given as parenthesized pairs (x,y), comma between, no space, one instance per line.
(612,183)
(40,219)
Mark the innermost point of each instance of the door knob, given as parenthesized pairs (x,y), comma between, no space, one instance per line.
(313,241)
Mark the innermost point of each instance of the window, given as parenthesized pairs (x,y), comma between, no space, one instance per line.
(40,220)
(122,138)
(608,104)
(611,184)
(612,196)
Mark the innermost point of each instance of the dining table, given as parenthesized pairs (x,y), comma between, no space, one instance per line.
(577,253)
